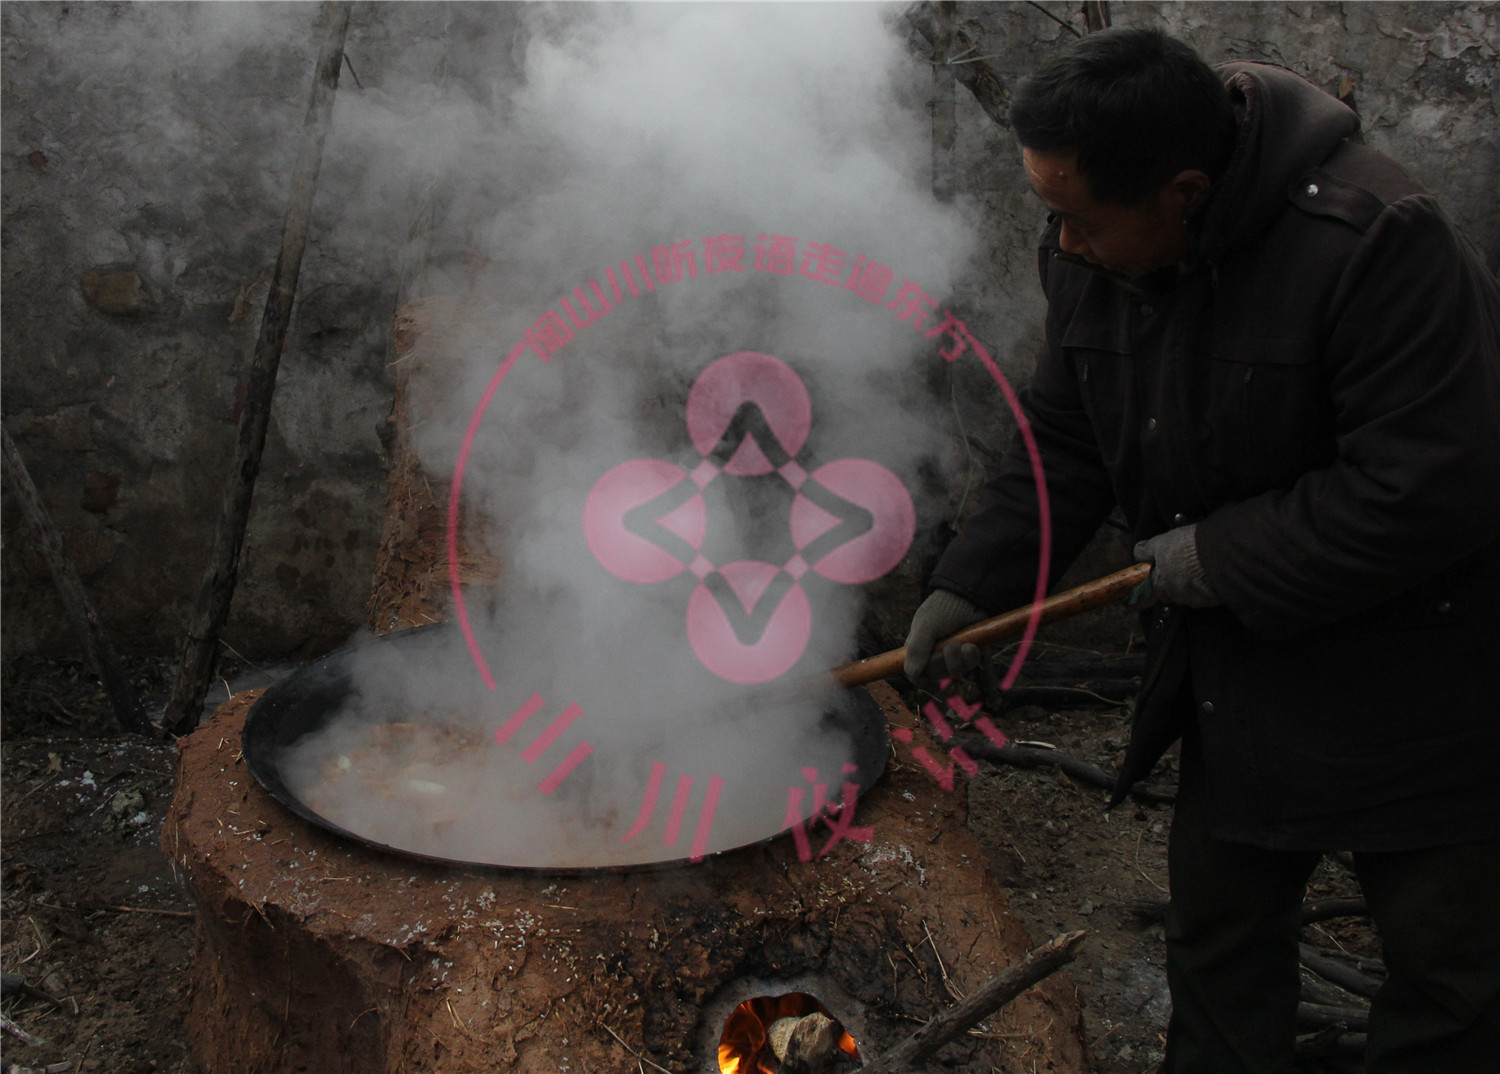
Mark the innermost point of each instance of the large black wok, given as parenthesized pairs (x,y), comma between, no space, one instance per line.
(577,831)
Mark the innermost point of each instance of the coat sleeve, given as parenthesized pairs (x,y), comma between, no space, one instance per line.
(1413,370)
(993,561)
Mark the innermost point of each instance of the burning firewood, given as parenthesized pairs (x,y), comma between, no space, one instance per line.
(787,1034)
(806,1045)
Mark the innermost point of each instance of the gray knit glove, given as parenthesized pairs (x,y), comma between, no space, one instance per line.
(940,615)
(1176,574)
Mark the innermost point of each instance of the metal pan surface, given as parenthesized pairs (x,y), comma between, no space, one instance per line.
(524,789)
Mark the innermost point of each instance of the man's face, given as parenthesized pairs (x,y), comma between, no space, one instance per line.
(1132,240)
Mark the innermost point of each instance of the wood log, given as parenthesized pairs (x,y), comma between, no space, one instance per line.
(1347,977)
(217,591)
(1313,989)
(97,649)
(1319,1016)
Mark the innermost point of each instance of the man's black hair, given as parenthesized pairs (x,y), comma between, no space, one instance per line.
(1137,105)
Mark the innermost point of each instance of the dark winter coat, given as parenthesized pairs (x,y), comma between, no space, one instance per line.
(1321,394)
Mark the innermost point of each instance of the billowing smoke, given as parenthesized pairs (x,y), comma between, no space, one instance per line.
(704,266)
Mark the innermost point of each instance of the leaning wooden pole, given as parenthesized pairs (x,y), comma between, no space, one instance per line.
(96,647)
(217,591)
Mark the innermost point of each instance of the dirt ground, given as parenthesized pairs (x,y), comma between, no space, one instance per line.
(90,913)
(94,918)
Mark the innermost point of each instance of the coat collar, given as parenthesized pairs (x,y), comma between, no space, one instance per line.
(1286,126)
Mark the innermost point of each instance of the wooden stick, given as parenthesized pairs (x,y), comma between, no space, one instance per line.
(20,1034)
(1320,1016)
(217,591)
(96,647)
(1012,624)
(987,998)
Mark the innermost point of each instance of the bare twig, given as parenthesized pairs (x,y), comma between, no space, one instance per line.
(95,908)
(633,1053)
(1060,21)
(149,910)
(948,984)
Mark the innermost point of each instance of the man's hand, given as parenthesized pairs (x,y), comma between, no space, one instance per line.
(1176,574)
(940,615)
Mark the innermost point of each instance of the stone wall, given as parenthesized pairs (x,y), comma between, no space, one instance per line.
(146,157)
(146,168)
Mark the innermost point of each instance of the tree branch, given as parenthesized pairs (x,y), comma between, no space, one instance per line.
(989,997)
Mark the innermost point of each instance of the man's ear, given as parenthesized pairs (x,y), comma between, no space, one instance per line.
(1184,192)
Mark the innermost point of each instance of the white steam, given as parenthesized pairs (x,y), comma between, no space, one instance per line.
(639,127)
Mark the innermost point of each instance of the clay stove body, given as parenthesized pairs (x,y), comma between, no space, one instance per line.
(317,955)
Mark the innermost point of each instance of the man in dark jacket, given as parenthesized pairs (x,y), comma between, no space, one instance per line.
(1273,352)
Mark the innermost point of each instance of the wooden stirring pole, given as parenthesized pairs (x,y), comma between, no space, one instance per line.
(1012,624)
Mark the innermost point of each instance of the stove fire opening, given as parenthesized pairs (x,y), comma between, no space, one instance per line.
(788,1034)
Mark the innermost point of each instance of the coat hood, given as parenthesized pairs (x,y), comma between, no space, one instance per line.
(1287,125)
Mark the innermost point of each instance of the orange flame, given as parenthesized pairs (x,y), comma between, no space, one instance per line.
(743,1047)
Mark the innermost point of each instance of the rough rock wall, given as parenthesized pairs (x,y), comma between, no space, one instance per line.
(1424,78)
(146,156)
(146,168)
